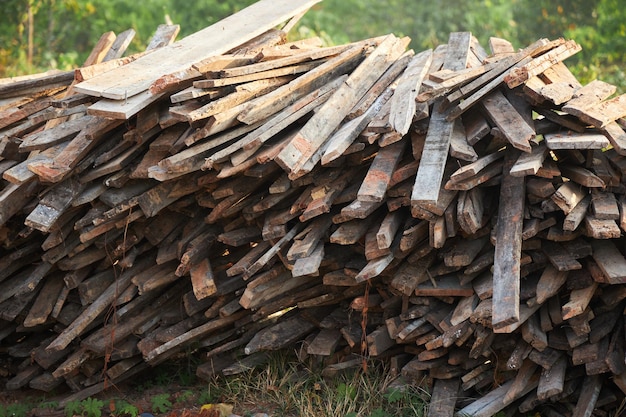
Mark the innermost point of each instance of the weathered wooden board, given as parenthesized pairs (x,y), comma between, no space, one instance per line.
(177,58)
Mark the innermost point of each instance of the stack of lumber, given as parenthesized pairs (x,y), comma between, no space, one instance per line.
(456,212)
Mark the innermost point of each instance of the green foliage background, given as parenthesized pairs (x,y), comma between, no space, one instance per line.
(64,31)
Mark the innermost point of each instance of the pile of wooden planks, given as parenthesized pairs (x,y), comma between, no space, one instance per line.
(456,212)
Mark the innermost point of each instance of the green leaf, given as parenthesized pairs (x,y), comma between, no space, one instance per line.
(378,412)
(184,396)
(73,408)
(17,410)
(161,403)
(92,407)
(49,404)
(394,395)
(131,410)
(346,391)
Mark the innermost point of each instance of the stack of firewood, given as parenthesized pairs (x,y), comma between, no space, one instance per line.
(456,212)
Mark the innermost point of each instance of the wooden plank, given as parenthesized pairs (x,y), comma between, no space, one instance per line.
(432,165)
(140,75)
(590,95)
(53,136)
(604,205)
(270,253)
(298,57)
(579,300)
(53,204)
(475,167)
(388,229)
(387,81)
(550,283)
(560,73)
(610,260)
(445,286)
(202,279)
(459,145)
(486,83)
(552,380)
(275,101)
(440,82)
(123,109)
(582,176)
(278,335)
(590,391)
(602,114)
(324,343)
(277,72)
(104,300)
(63,163)
(499,46)
(530,163)
(303,148)
(118,48)
(345,136)
(508,120)
(378,177)
(458,50)
(102,48)
(616,135)
(403,101)
(525,372)
(242,94)
(463,252)
(49,81)
(45,302)
(194,157)
(568,196)
(559,257)
(310,265)
(538,65)
(561,119)
(506,267)
(493,401)
(443,398)
(575,140)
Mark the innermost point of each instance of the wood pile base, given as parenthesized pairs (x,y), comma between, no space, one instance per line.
(457,212)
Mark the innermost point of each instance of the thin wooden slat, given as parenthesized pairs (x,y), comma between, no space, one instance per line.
(434,156)
(303,148)
(510,122)
(506,272)
(574,140)
(120,84)
(403,101)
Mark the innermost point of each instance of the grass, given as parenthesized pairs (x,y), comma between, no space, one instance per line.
(286,388)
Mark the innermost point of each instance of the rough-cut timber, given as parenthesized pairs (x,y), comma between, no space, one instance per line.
(458,213)
(174,60)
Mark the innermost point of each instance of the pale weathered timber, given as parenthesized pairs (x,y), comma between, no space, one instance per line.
(530,163)
(138,76)
(413,284)
(484,84)
(316,78)
(403,101)
(574,140)
(304,146)
(538,65)
(508,120)
(298,57)
(508,249)
(433,162)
